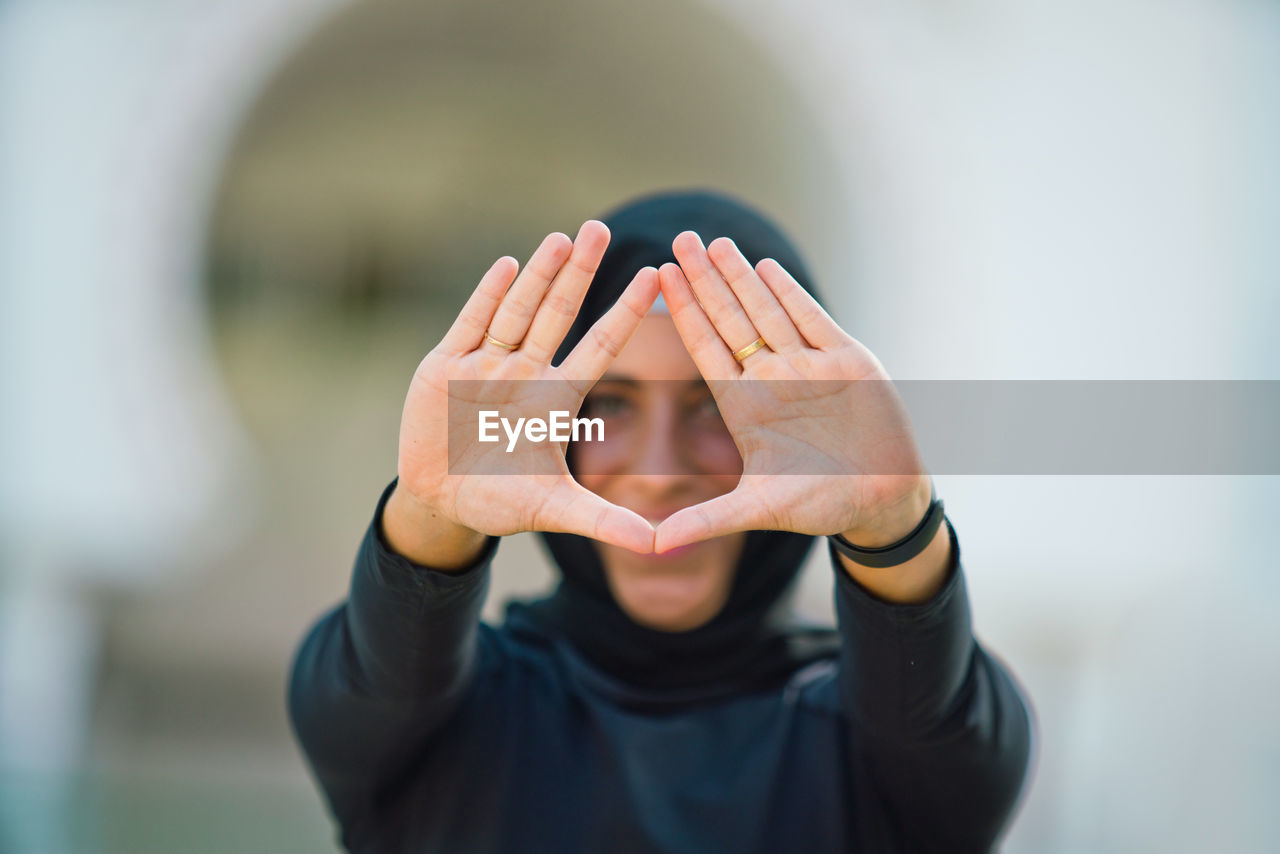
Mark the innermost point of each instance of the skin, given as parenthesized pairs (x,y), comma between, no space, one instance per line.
(438,515)
(837,409)
(665,448)
(670,532)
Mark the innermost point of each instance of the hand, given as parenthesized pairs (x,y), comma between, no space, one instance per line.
(826,443)
(483,487)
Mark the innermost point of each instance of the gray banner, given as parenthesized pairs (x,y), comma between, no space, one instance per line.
(1127,427)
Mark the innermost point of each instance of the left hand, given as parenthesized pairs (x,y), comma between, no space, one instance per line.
(826,443)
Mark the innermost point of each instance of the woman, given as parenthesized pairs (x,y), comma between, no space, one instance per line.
(660,700)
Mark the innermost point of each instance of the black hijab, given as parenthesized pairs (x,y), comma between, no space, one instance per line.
(752,644)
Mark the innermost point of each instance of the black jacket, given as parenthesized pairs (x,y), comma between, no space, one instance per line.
(430,731)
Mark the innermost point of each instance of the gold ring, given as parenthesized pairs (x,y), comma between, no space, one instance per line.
(749,349)
(503,344)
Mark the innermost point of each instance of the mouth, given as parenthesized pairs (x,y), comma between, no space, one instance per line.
(659,559)
(673,554)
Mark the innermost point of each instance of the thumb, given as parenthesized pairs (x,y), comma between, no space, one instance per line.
(727,514)
(577,510)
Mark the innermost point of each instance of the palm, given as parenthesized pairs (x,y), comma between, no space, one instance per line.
(823,435)
(485,486)
(479,474)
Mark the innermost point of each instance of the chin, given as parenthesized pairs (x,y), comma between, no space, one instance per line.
(670,601)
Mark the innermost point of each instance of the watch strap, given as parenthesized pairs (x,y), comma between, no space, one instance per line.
(904,549)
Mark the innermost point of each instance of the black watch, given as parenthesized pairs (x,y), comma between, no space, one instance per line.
(904,549)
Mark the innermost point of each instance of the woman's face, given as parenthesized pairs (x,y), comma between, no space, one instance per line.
(665,447)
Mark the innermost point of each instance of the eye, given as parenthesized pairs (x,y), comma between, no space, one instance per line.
(705,407)
(604,405)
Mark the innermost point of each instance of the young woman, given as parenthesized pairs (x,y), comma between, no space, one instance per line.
(661,700)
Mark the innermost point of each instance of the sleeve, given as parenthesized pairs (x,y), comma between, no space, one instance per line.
(381,671)
(942,726)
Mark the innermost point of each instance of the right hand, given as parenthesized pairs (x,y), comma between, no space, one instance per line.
(489,490)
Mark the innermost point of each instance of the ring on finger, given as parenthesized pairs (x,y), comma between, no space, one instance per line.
(503,344)
(749,349)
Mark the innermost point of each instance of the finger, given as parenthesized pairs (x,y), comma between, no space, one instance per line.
(608,335)
(727,514)
(715,296)
(700,338)
(467,330)
(810,319)
(576,510)
(761,306)
(511,320)
(562,300)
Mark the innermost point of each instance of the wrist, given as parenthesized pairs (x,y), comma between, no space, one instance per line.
(894,522)
(417,531)
(910,569)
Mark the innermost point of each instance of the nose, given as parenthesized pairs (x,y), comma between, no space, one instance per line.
(661,473)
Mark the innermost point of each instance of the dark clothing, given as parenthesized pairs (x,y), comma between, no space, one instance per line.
(432,732)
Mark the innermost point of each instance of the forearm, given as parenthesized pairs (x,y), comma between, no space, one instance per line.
(377,674)
(902,663)
(955,790)
(422,535)
(940,721)
(915,581)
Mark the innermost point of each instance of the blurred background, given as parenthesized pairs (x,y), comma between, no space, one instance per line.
(229,232)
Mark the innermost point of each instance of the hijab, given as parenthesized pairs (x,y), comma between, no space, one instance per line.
(752,643)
